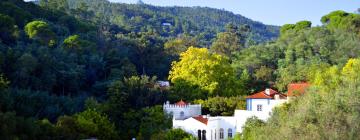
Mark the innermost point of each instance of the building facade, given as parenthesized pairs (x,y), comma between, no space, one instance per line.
(182,110)
(204,127)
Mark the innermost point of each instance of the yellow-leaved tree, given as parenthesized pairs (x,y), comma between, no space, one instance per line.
(209,72)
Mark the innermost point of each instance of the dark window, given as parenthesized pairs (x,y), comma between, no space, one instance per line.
(229,133)
(259,107)
(199,134)
(182,114)
(221,133)
(203,135)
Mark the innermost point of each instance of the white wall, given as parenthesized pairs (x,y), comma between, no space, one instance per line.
(189,110)
(220,122)
(213,126)
(189,125)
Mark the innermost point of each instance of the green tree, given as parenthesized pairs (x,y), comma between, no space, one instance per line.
(172,134)
(89,123)
(231,41)
(221,106)
(154,120)
(41,31)
(249,129)
(7,28)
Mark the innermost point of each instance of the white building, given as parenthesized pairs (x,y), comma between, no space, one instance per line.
(182,110)
(205,127)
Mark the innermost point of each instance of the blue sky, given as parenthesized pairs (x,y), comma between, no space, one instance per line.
(275,12)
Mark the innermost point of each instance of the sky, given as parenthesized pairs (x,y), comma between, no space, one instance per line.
(274,12)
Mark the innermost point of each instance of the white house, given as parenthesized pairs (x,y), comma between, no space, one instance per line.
(206,127)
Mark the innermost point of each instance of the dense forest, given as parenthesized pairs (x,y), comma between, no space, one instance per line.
(77,69)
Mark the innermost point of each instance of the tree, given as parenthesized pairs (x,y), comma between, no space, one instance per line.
(295,27)
(89,123)
(221,106)
(41,31)
(74,42)
(249,129)
(172,134)
(342,20)
(231,41)
(178,45)
(154,120)
(211,72)
(4,83)
(7,28)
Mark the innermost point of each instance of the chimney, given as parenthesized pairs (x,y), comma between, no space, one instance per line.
(267,91)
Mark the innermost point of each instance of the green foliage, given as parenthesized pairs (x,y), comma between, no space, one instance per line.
(211,72)
(40,30)
(341,20)
(73,41)
(154,121)
(7,28)
(249,129)
(231,41)
(221,106)
(93,123)
(176,46)
(195,21)
(301,25)
(4,83)
(327,111)
(14,127)
(87,124)
(102,46)
(172,134)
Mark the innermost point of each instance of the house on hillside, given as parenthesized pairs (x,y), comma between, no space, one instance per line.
(206,127)
(264,100)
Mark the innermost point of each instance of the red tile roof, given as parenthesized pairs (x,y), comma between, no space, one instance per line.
(295,89)
(181,103)
(263,95)
(201,119)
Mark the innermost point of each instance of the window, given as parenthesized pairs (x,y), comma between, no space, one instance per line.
(259,107)
(203,137)
(215,134)
(221,133)
(229,133)
(182,114)
(199,134)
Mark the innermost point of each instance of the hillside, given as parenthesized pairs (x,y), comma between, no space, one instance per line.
(79,69)
(201,22)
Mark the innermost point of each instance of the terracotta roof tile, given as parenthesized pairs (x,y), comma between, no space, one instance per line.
(263,95)
(201,119)
(295,89)
(181,103)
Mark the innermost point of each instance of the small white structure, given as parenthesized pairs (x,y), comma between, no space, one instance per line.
(166,24)
(182,110)
(205,127)
(163,83)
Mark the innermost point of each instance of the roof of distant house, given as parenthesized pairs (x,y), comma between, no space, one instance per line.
(201,119)
(295,89)
(181,103)
(263,95)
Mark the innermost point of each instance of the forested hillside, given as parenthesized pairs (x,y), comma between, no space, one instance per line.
(328,58)
(72,71)
(199,22)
